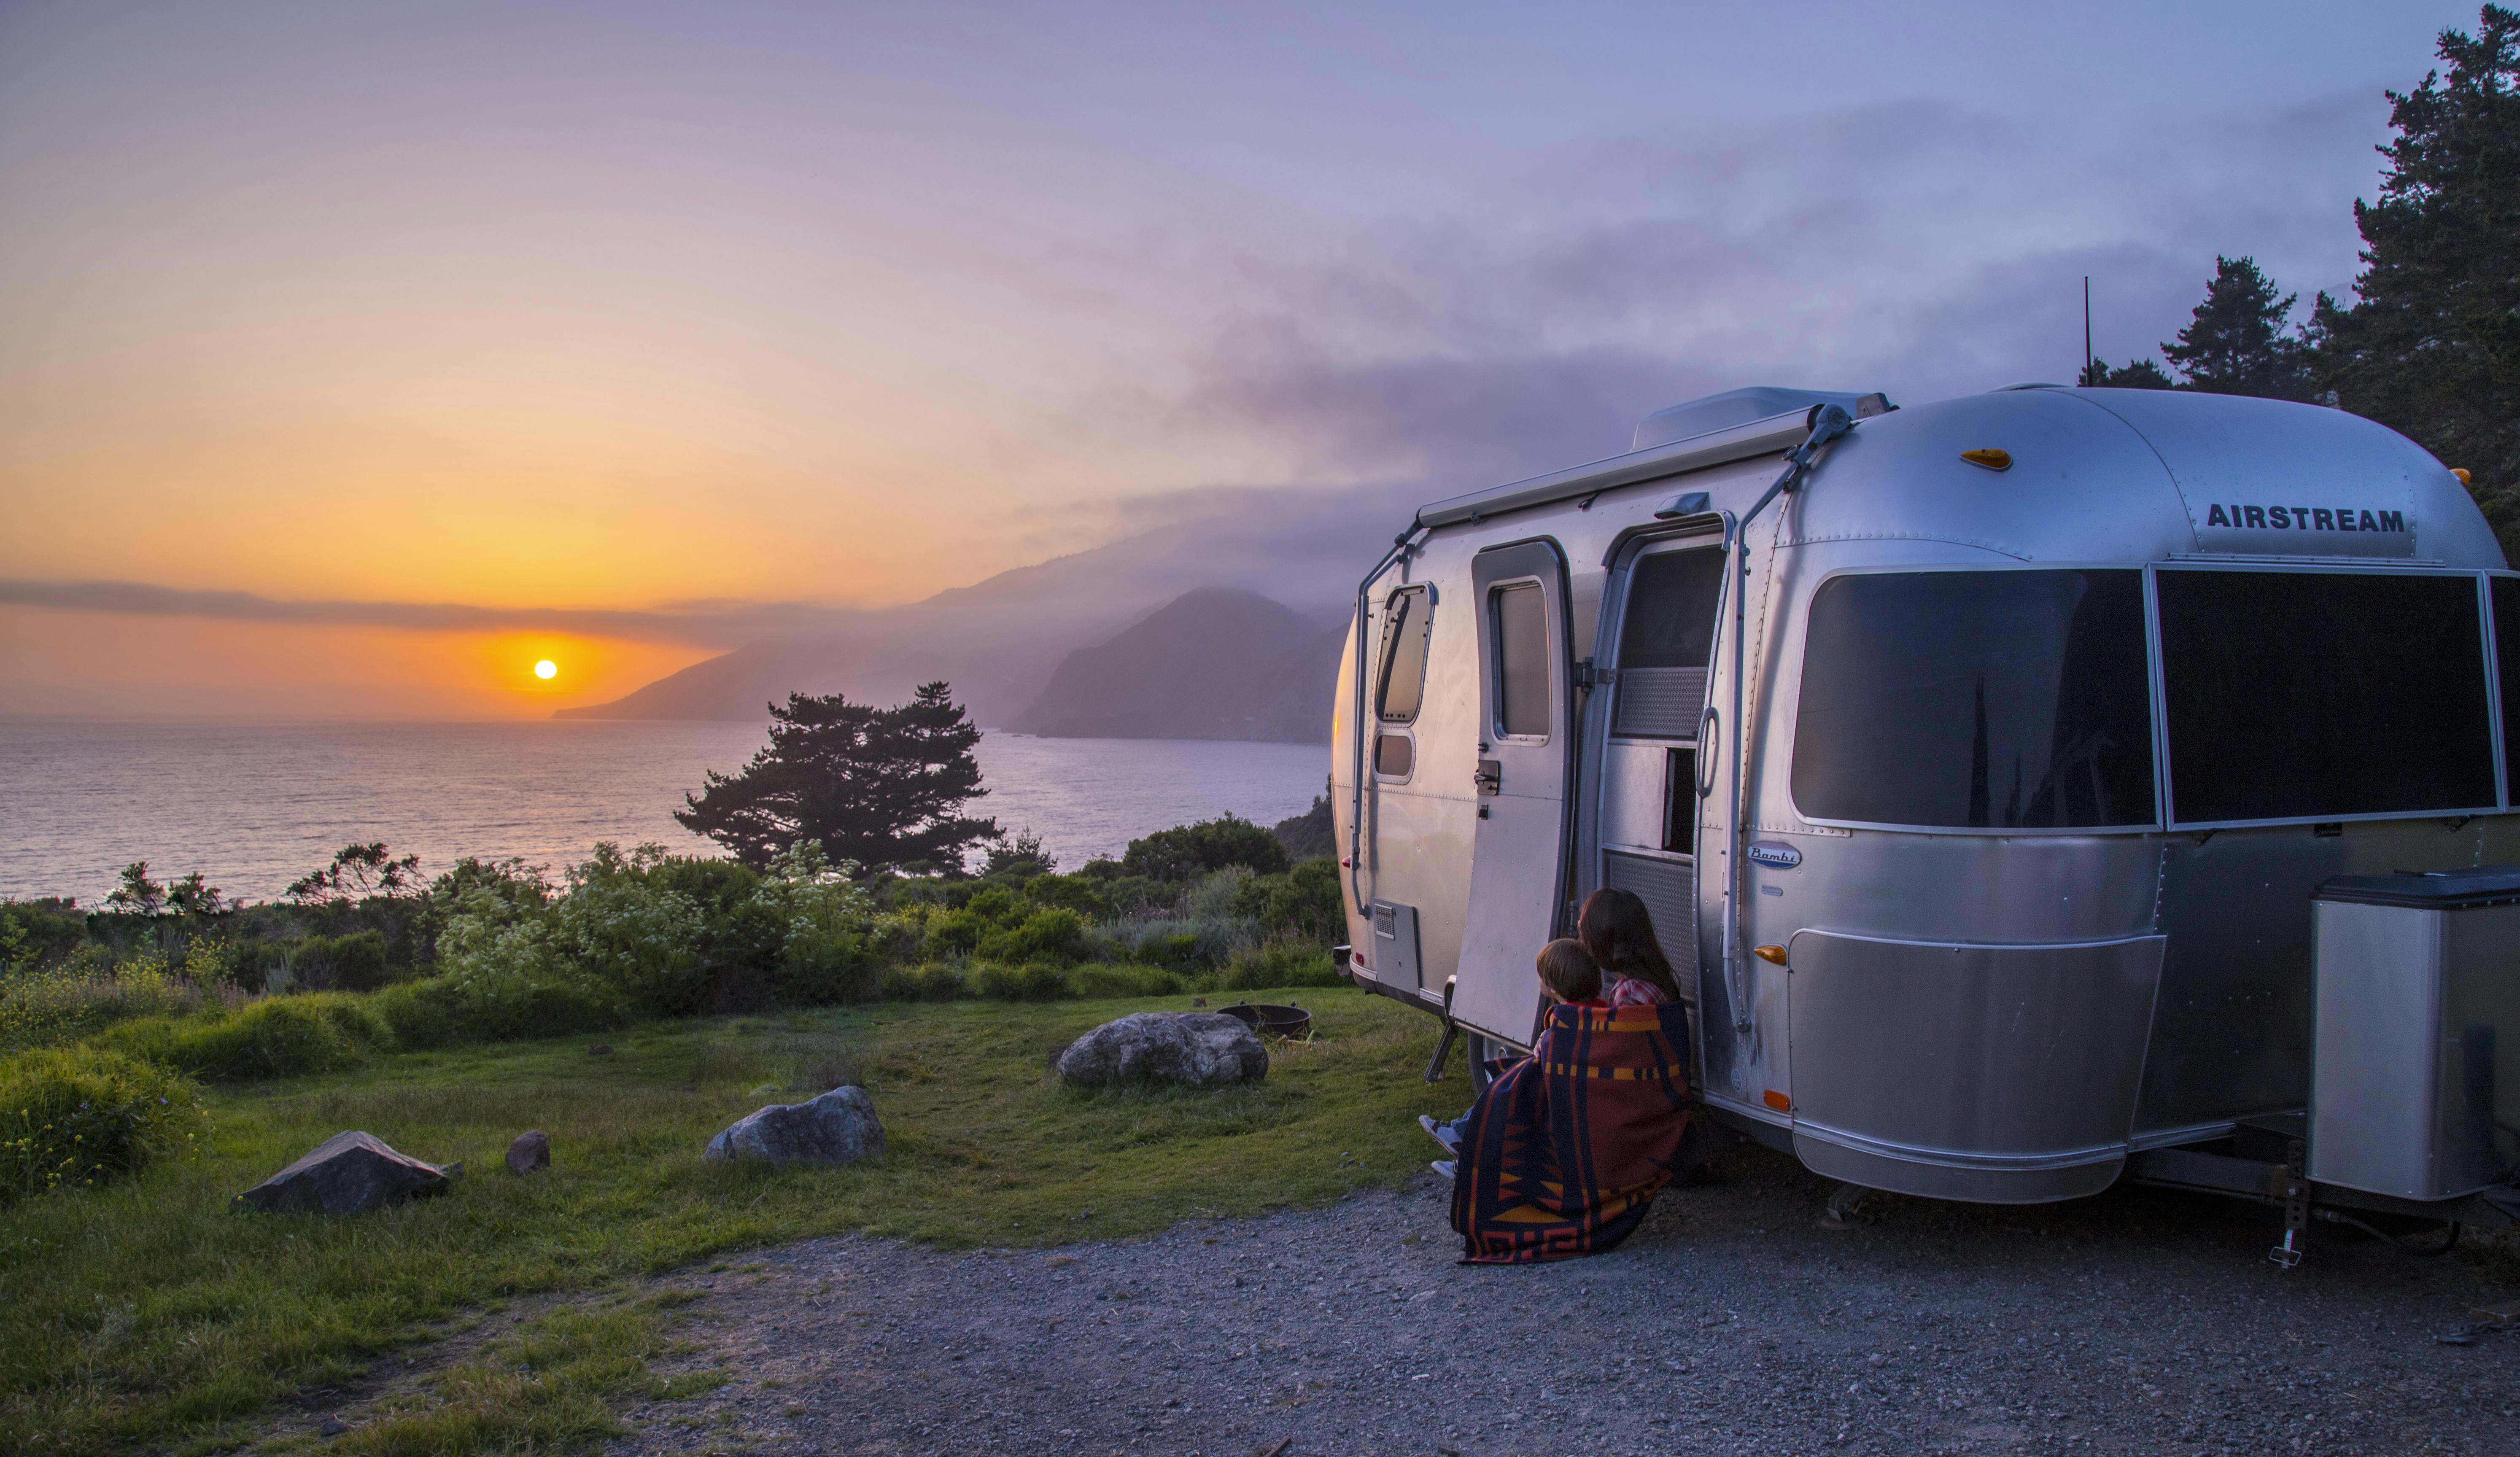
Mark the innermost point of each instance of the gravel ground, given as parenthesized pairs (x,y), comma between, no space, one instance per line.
(2138,1322)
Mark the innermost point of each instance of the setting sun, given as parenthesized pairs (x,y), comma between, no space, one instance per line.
(546,669)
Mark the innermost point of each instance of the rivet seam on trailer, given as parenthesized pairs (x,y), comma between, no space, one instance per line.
(1908,535)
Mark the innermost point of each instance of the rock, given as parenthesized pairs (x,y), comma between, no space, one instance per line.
(1193,1049)
(331,1427)
(837,1127)
(347,1174)
(530,1151)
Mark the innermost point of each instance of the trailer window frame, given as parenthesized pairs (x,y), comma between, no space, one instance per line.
(1402,618)
(2152,674)
(1494,607)
(2167,775)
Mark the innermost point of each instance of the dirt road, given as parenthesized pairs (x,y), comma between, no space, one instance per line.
(2138,1322)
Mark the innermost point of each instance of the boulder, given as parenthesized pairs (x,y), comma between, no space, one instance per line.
(1191,1049)
(530,1151)
(347,1174)
(837,1127)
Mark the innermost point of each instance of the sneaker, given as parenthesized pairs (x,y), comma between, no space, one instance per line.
(1444,1166)
(1442,1134)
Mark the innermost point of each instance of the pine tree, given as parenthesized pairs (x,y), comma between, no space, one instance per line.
(2235,343)
(878,787)
(2431,345)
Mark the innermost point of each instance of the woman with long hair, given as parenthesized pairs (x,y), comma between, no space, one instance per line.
(1615,927)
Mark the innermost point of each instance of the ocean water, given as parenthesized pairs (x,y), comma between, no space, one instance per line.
(253,807)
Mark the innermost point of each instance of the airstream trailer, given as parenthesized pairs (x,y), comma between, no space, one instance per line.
(1998,763)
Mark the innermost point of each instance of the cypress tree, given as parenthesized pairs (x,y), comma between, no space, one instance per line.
(878,787)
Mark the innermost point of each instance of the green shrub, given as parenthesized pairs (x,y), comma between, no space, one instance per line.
(832,942)
(819,968)
(1053,935)
(1188,851)
(741,938)
(342,963)
(421,1014)
(353,1015)
(1281,964)
(77,1116)
(1303,903)
(1037,982)
(1176,944)
(278,1036)
(1101,980)
(1309,835)
(630,930)
(1216,895)
(36,934)
(87,992)
(445,1010)
(1087,897)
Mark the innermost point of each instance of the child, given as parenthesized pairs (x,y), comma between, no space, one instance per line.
(1567,977)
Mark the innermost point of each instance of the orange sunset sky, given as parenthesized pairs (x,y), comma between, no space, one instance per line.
(438,333)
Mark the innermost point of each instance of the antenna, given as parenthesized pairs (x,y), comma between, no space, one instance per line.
(2087,328)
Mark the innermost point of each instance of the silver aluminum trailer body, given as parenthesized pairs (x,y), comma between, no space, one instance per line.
(2011,909)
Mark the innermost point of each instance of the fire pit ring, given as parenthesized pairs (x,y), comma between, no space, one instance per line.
(1293,1024)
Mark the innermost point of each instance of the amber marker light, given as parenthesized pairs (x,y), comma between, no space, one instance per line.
(1990,457)
(2461,473)
(1775,953)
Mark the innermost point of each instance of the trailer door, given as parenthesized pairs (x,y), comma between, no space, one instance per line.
(1526,757)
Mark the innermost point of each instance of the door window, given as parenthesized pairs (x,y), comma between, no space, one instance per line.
(1522,660)
(1671,610)
(1665,637)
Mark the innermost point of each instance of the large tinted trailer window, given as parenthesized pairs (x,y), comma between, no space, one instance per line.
(1976,698)
(2315,696)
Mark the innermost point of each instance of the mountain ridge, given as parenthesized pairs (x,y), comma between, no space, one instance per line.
(1214,663)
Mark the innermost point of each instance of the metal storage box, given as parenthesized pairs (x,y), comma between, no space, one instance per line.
(2415,1071)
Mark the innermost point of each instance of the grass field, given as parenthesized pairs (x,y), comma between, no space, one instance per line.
(147,1313)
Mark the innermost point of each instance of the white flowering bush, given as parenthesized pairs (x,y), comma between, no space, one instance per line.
(621,926)
(837,942)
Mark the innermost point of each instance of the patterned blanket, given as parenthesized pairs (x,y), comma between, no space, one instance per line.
(1566,1149)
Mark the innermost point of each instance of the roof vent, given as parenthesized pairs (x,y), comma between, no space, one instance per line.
(1734,407)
